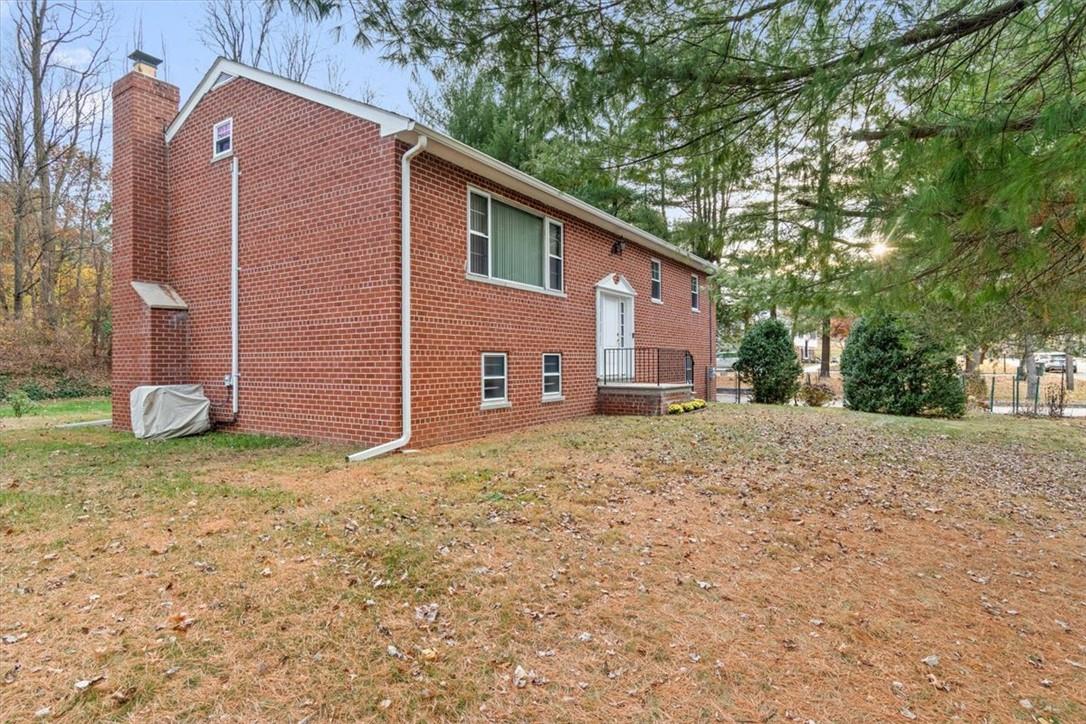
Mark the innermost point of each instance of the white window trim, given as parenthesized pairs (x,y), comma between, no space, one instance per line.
(493,403)
(695,289)
(489,276)
(467,265)
(551,396)
(214,138)
(657,264)
(547,256)
(472,277)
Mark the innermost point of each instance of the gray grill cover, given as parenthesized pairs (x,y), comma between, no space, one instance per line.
(165,411)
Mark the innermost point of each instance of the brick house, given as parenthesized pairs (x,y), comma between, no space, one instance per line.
(259,250)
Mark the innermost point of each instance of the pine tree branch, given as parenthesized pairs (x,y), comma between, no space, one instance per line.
(918,133)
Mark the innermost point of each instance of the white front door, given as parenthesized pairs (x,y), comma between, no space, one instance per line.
(614,337)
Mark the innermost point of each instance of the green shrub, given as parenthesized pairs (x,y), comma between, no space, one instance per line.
(768,360)
(688,406)
(71,387)
(35,391)
(698,403)
(888,367)
(675,408)
(816,394)
(21,403)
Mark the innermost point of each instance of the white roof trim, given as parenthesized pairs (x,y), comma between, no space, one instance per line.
(389,122)
(463,155)
(616,283)
(159,296)
(445,147)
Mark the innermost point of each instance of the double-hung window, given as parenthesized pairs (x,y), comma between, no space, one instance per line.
(510,245)
(554,255)
(694,293)
(552,376)
(495,379)
(479,234)
(222,138)
(656,275)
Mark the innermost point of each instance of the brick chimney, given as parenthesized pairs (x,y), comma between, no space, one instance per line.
(142,108)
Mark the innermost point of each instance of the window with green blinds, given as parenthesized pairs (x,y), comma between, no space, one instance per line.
(516,245)
(511,244)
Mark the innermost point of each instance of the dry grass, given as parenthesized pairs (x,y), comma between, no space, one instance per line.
(1004,389)
(254,579)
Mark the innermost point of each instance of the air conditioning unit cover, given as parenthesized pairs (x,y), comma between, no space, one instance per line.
(165,411)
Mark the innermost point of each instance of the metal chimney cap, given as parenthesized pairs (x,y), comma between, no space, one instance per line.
(140,57)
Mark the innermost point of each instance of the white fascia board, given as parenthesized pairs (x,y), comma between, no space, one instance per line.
(460,154)
(389,122)
(470,159)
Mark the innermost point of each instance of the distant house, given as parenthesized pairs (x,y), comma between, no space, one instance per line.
(261,249)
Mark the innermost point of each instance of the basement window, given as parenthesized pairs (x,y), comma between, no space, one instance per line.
(495,379)
(222,139)
(552,377)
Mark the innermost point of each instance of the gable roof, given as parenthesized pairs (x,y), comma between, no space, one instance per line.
(442,146)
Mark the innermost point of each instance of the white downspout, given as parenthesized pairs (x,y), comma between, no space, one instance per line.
(234,286)
(405,310)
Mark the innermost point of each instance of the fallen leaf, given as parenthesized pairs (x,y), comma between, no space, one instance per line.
(84,684)
(426,613)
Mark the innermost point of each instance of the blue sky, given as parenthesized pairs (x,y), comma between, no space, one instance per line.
(171,31)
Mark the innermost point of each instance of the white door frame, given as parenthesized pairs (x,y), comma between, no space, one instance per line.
(615,286)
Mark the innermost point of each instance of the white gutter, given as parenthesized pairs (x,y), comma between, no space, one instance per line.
(234,173)
(443,146)
(464,156)
(405,310)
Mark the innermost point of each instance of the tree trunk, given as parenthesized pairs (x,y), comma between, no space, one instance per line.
(973,359)
(1069,371)
(17,265)
(1033,381)
(98,320)
(824,368)
(47,211)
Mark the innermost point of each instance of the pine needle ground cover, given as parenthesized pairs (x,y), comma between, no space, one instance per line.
(747,563)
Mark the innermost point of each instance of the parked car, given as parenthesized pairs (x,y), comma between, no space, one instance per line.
(1051,362)
(1057,362)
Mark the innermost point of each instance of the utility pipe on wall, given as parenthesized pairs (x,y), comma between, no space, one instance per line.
(405,310)
(234,286)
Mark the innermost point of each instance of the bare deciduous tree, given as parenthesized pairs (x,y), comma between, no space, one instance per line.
(16,149)
(61,51)
(295,55)
(238,31)
(256,34)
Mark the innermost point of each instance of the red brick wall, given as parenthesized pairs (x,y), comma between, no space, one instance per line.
(142,107)
(629,402)
(455,319)
(167,331)
(319,264)
(319,284)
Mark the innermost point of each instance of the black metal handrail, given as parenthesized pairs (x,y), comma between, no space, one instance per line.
(647,365)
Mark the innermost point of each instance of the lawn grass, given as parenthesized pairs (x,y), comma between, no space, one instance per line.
(68,410)
(745,563)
